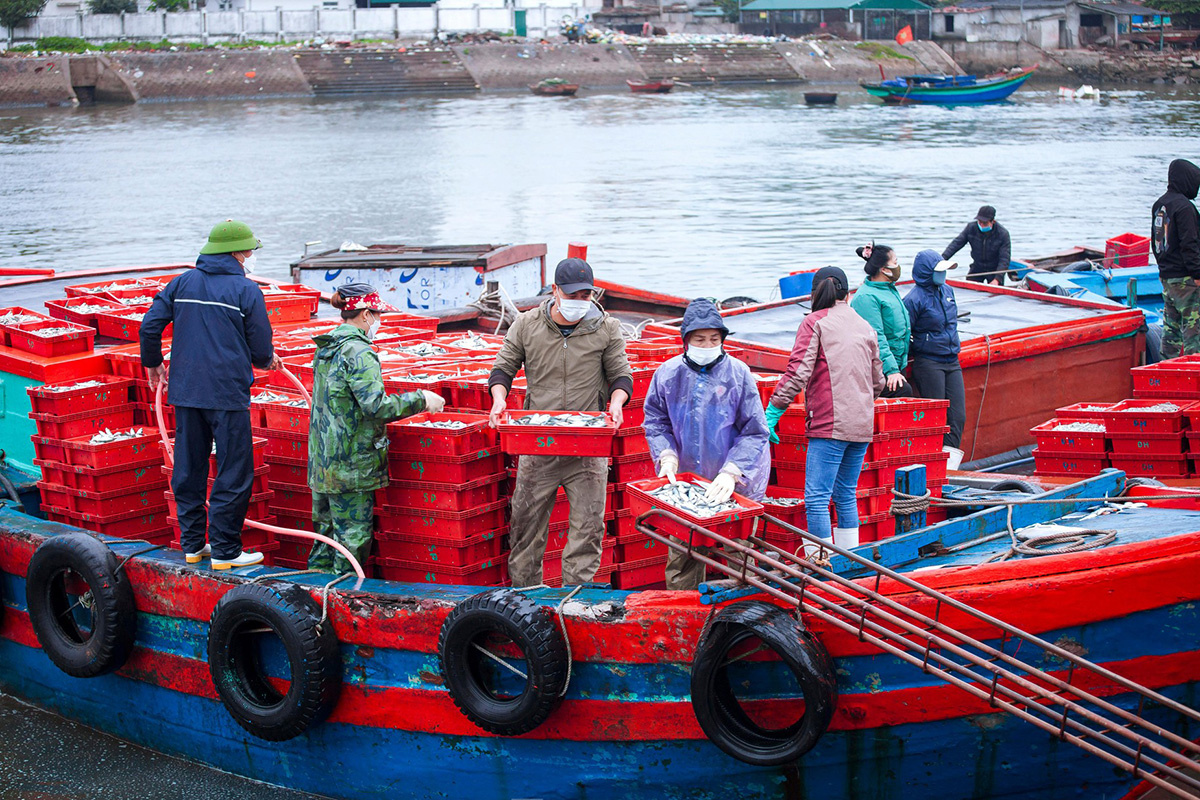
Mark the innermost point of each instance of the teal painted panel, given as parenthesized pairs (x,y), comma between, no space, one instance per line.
(15,425)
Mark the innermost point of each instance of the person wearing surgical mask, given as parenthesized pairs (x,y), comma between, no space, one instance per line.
(704,416)
(936,371)
(878,302)
(991,248)
(347,435)
(573,354)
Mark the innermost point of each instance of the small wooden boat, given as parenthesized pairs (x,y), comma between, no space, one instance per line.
(948,89)
(554,89)
(651,87)
(820,98)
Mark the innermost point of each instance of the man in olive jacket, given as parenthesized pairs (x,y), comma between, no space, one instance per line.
(574,359)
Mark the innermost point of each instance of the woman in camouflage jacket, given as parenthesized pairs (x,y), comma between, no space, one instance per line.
(347,437)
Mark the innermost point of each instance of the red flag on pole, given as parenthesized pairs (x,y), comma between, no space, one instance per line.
(905,35)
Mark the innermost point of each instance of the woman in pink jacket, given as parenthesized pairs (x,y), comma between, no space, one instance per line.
(835,362)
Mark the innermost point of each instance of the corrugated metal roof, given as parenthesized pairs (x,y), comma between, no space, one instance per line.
(1111,8)
(1132,9)
(835,5)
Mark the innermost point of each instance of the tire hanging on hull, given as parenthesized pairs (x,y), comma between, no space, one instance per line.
(482,684)
(240,658)
(80,605)
(724,720)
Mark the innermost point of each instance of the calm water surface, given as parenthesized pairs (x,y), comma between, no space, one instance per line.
(702,192)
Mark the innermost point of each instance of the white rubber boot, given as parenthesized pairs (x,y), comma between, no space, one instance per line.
(243,559)
(845,538)
(197,557)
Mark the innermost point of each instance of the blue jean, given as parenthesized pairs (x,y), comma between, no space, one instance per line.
(831,470)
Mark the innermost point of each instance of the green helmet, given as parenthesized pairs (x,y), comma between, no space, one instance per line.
(230,236)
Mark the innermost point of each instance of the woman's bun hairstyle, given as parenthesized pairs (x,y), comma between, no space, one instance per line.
(336,300)
(876,256)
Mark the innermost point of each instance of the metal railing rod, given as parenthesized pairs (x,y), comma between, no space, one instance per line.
(1054,729)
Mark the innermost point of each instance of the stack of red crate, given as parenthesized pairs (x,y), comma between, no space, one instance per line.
(1148,436)
(442,515)
(907,431)
(1074,443)
(110,487)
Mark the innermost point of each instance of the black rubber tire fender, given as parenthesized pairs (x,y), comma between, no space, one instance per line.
(721,716)
(1014,485)
(1148,482)
(737,301)
(114,615)
(239,677)
(533,629)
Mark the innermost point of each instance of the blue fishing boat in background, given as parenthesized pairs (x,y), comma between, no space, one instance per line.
(948,89)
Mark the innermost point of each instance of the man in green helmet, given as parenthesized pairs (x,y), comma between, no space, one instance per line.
(221,330)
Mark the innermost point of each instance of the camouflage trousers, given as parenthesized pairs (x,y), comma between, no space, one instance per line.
(1181,317)
(348,519)
(585,481)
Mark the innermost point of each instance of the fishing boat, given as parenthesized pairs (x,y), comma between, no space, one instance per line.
(356,690)
(554,88)
(660,86)
(820,98)
(948,89)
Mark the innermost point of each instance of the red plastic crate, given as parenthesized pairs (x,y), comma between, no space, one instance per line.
(296,499)
(630,441)
(791,514)
(146,475)
(125,325)
(435,550)
(118,501)
(81,452)
(1167,379)
(794,421)
(489,572)
(1048,463)
(284,444)
(562,509)
(908,413)
(259,509)
(766,386)
(636,467)
(654,351)
(445,469)
(15,315)
(280,416)
(147,283)
(551,440)
(1136,445)
(288,470)
(134,525)
(738,524)
(288,307)
(1083,412)
(633,415)
(1151,466)
(75,339)
(443,496)
(63,399)
(1127,250)
(876,527)
(450,526)
(1131,416)
(552,560)
(646,573)
(296,290)
(411,435)
(406,320)
(85,423)
(292,548)
(790,449)
(912,442)
(1050,440)
(69,308)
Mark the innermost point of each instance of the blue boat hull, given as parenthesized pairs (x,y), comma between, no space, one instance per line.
(982,92)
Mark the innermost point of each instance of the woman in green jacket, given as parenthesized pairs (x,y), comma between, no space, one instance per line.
(878,302)
(347,435)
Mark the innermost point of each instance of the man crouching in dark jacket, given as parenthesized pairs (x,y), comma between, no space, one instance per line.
(221,330)
(1175,238)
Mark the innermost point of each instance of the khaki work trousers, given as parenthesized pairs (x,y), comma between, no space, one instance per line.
(686,574)
(585,481)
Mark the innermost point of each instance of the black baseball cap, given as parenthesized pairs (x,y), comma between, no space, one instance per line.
(838,275)
(986,214)
(573,275)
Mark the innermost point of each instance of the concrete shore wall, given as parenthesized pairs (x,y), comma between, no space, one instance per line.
(234,74)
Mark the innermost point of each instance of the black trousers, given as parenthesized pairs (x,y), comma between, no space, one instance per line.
(195,431)
(905,390)
(943,380)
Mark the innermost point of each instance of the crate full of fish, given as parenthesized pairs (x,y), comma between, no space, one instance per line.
(50,338)
(906,413)
(441,434)
(78,396)
(1146,416)
(557,433)
(1169,379)
(1071,436)
(736,518)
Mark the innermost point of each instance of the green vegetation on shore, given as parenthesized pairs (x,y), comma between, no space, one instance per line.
(881,51)
(68,44)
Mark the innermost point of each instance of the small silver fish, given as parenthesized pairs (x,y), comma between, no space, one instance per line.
(105,436)
(68,387)
(562,420)
(448,424)
(784,502)
(689,497)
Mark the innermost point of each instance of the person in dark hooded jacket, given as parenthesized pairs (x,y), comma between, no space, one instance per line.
(220,331)
(991,247)
(704,416)
(936,373)
(1175,239)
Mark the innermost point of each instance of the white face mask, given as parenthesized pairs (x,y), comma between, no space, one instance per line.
(249,263)
(703,355)
(573,310)
(373,331)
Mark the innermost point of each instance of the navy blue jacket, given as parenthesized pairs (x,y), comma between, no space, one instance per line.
(932,312)
(221,328)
